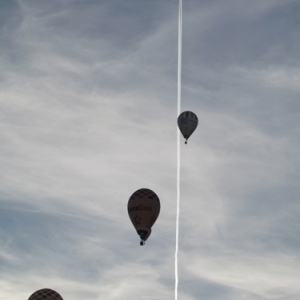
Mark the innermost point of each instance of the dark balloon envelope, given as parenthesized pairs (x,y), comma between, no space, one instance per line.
(143,209)
(45,294)
(187,122)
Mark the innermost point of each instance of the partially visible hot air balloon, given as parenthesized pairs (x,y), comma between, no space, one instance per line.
(187,123)
(45,294)
(143,209)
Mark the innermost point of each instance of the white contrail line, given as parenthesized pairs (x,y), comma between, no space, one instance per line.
(178,143)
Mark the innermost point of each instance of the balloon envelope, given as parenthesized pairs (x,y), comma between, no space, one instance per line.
(187,123)
(143,209)
(46,294)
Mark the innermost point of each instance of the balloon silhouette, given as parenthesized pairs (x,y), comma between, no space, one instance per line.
(45,294)
(143,209)
(187,123)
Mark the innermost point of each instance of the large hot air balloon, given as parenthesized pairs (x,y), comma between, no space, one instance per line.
(45,294)
(187,123)
(143,209)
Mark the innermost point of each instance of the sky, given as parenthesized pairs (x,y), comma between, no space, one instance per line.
(88,115)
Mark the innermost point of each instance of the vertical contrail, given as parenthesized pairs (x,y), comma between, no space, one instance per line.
(178,142)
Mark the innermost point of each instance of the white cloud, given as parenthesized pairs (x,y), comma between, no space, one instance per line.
(89,110)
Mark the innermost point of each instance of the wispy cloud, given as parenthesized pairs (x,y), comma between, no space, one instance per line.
(88,116)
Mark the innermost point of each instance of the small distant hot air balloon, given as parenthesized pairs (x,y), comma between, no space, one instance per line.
(46,294)
(187,123)
(143,209)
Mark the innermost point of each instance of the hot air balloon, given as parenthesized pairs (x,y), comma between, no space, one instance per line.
(45,294)
(143,209)
(187,123)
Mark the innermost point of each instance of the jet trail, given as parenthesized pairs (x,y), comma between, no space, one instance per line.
(178,142)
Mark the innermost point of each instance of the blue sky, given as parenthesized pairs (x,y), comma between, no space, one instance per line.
(88,116)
